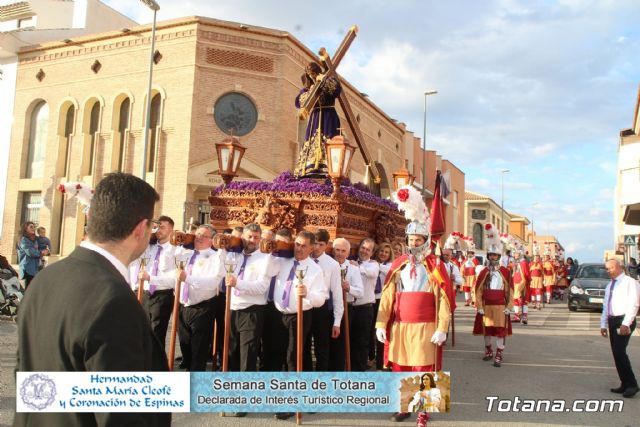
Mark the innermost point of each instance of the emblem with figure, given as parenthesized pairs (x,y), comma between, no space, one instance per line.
(38,392)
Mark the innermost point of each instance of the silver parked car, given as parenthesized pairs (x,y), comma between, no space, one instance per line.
(588,286)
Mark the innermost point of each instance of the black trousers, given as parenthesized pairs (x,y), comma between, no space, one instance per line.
(376,348)
(195,330)
(619,349)
(244,338)
(337,355)
(360,336)
(290,323)
(159,307)
(220,303)
(321,325)
(274,340)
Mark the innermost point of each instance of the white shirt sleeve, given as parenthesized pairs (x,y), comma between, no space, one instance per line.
(256,278)
(336,290)
(166,276)
(274,264)
(370,269)
(356,287)
(632,300)
(208,277)
(317,291)
(457,277)
(605,308)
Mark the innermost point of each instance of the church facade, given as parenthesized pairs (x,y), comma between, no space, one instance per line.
(80,112)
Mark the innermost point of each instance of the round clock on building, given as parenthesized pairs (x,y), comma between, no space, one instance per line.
(235,113)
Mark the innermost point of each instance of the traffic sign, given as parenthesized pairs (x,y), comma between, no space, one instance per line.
(629,240)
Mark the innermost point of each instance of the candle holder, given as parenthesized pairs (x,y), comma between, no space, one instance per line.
(181,261)
(300,275)
(230,263)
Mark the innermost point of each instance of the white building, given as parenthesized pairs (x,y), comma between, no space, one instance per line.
(29,23)
(627,191)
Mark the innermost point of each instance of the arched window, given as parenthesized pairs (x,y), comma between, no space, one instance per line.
(94,121)
(477,235)
(154,132)
(39,124)
(68,130)
(123,125)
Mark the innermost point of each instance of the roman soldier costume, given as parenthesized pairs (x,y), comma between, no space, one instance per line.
(549,273)
(417,301)
(494,300)
(521,290)
(535,273)
(561,278)
(469,271)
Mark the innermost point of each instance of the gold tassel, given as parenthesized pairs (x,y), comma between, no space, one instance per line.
(438,251)
(318,155)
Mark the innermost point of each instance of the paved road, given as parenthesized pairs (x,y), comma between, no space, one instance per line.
(560,355)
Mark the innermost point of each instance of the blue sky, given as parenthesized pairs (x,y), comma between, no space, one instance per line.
(542,88)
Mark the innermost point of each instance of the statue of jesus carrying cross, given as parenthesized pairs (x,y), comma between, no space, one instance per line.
(316,101)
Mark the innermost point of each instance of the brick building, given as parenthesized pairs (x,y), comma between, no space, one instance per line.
(27,23)
(80,113)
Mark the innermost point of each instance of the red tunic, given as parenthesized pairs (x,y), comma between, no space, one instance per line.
(493,302)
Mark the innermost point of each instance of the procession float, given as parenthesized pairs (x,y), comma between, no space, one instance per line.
(318,193)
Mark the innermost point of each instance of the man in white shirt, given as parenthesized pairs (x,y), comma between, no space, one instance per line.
(274,343)
(362,320)
(452,269)
(201,277)
(287,289)
(619,318)
(322,326)
(250,282)
(159,279)
(454,276)
(352,285)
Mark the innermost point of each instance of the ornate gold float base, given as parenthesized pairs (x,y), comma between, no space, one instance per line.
(341,216)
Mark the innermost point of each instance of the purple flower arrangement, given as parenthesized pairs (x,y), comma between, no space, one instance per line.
(287,183)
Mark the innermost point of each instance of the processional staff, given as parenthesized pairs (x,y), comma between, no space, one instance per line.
(347,341)
(180,264)
(144,260)
(230,263)
(178,238)
(301,292)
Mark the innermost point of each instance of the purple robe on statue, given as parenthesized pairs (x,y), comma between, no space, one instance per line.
(323,125)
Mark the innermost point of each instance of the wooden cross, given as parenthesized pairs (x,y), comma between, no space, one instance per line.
(330,66)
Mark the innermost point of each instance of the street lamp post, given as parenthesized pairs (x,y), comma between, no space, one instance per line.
(424,143)
(151,4)
(503,171)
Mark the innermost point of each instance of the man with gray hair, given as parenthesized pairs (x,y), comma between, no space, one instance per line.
(452,268)
(352,285)
(201,277)
(618,321)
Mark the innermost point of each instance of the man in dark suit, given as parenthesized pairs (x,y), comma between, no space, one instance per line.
(80,313)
